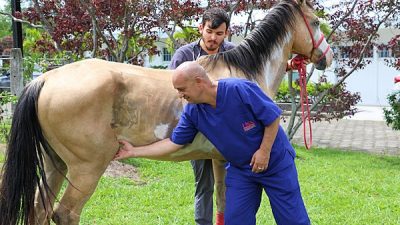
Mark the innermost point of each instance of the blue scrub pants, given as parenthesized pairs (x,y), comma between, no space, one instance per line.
(243,196)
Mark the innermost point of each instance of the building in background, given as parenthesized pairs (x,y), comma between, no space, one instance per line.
(375,81)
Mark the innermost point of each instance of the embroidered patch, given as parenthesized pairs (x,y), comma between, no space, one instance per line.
(248,125)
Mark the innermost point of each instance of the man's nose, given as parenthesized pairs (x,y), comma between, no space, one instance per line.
(213,36)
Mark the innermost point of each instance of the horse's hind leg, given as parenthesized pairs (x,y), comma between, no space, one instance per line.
(55,175)
(83,179)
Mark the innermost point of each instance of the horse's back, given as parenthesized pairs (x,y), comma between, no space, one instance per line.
(92,103)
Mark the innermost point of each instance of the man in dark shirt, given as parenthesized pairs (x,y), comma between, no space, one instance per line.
(213,30)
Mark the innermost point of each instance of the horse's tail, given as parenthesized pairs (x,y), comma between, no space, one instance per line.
(23,168)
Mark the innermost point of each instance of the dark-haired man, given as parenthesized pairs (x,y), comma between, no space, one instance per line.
(213,29)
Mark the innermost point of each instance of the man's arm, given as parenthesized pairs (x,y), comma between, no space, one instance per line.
(260,158)
(151,151)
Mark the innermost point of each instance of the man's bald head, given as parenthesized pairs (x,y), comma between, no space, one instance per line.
(189,71)
(192,83)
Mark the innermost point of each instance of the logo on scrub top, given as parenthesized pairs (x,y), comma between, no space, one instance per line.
(248,125)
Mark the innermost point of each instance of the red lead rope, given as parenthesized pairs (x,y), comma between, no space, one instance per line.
(298,63)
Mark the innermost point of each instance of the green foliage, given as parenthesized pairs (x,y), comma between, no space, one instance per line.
(7,97)
(5,125)
(313,90)
(5,122)
(5,22)
(336,103)
(283,93)
(187,34)
(184,36)
(325,27)
(1,160)
(31,57)
(5,26)
(392,114)
(36,60)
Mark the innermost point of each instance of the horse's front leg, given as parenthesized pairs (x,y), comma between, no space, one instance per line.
(219,177)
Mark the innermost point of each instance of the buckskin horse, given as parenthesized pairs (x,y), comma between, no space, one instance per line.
(67,122)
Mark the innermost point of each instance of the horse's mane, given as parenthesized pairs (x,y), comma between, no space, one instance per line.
(249,56)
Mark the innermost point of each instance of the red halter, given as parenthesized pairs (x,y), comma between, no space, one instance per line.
(298,63)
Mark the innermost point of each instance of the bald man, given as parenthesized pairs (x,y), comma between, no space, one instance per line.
(243,124)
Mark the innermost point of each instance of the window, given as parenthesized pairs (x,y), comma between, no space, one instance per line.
(166,54)
(354,51)
(384,52)
(369,52)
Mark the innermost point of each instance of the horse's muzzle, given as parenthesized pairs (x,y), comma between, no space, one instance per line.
(321,64)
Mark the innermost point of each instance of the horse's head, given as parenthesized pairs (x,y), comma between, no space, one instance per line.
(309,41)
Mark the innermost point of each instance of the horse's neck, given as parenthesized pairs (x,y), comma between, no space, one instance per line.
(270,77)
(275,68)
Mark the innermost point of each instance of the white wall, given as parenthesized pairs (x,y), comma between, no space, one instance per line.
(373,83)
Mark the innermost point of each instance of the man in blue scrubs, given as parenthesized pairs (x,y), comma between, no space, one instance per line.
(243,124)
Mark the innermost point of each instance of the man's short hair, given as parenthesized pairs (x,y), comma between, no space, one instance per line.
(216,16)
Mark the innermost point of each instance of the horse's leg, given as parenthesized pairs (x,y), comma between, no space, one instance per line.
(55,174)
(84,172)
(219,177)
(83,181)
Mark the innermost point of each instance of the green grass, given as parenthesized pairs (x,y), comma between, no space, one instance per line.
(338,188)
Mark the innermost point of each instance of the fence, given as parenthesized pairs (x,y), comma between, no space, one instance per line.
(16,70)
(15,85)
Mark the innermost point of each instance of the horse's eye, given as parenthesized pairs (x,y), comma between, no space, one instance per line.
(316,23)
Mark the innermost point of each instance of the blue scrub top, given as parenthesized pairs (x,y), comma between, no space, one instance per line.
(236,126)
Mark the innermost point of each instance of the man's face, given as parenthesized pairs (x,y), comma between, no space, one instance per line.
(212,38)
(187,89)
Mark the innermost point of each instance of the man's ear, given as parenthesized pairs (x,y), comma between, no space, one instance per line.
(201,27)
(198,80)
(228,32)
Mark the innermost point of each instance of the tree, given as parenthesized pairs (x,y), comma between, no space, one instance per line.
(174,14)
(105,28)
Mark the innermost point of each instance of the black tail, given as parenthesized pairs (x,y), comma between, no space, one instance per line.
(23,168)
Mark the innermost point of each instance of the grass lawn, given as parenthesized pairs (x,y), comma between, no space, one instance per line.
(338,188)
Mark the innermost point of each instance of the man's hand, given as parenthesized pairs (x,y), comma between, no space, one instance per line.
(260,161)
(126,150)
(157,150)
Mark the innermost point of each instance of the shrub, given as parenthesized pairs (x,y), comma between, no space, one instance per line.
(392,114)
